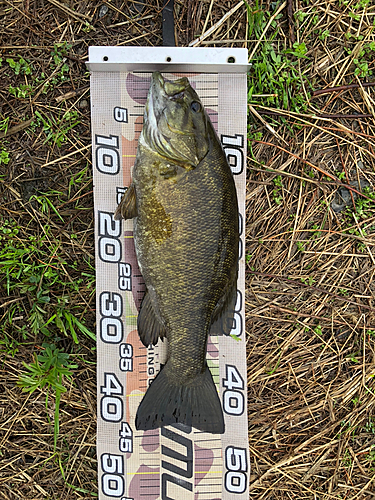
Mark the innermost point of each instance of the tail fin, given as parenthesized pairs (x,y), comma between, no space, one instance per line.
(196,404)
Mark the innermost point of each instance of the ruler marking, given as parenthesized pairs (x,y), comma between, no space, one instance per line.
(217,460)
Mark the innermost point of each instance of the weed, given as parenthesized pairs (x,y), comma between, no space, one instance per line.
(308,281)
(46,204)
(316,234)
(370,425)
(88,27)
(299,50)
(360,246)
(347,459)
(252,136)
(37,312)
(324,35)
(9,228)
(78,178)
(56,129)
(276,195)
(277,181)
(362,4)
(274,70)
(272,370)
(364,209)
(318,330)
(22,66)
(300,246)
(60,77)
(370,457)
(49,369)
(363,205)
(60,50)
(30,267)
(4,125)
(364,57)
(8,344)
(67,323)
(20,92)
(353,357)
(300,15)
(4,157)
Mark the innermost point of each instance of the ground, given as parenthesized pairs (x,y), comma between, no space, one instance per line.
(310,251)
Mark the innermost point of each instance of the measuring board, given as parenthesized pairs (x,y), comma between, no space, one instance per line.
(175,462)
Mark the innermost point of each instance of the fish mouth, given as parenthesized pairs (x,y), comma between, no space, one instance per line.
(161,91)
(160,94)
(173,90)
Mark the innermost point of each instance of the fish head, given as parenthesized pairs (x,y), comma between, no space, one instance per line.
(175,122)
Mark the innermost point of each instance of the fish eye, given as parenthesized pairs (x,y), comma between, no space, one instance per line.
(195,106)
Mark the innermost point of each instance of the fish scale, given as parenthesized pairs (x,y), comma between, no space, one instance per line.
(184,204)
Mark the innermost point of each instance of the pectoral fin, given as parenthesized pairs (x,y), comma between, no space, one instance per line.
(127,208)
(222,318)
(149,326)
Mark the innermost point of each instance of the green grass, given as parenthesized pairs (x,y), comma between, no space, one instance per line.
(56,127)
(275,79)
(33,267)
(20,66)
(34,276)
(48,370)
(4,157)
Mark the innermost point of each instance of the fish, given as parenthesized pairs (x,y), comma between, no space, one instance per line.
(184,207)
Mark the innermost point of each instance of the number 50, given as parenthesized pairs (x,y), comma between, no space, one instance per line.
(236,463)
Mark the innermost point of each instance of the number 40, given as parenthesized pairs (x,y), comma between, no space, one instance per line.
(233,398)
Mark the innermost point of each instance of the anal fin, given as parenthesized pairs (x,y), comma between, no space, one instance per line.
(150,328)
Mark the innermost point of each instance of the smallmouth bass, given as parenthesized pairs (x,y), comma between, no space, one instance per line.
(184,204)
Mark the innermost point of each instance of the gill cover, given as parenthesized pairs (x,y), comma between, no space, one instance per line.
(175,122)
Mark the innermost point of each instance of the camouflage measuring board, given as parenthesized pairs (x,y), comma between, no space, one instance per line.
(176,462)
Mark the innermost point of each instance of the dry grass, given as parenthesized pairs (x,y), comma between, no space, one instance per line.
(310,292)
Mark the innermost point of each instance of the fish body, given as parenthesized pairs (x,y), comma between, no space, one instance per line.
(184,204)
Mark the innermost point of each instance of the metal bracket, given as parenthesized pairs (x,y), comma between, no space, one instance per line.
(169,59)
